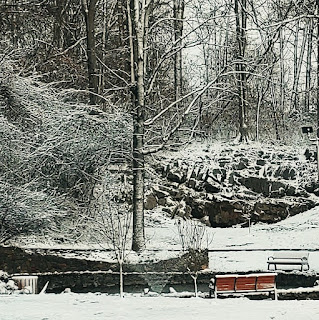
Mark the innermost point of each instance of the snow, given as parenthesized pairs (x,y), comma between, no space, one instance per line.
(233,250)
(253,246)
(97,307)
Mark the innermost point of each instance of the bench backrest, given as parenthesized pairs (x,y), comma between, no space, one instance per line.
(253,282)
(290,255)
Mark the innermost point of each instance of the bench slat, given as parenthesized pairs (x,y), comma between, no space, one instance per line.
(245,283)
(290,255)
(225,284)
(265,282)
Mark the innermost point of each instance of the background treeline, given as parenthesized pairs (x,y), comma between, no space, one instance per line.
(85,45)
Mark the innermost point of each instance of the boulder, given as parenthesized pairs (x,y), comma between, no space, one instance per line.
(160,193)
(211,186)
(175,175)
(261,162)
(256,184)
(224,213)
(151,202)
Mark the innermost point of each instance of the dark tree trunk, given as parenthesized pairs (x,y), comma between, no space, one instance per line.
(89,10)
(241,22)
(178,11)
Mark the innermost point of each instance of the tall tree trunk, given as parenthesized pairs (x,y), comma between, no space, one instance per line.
(178,11)
(57,25)
(282,72)
(89,10)
(297,66)
(308,66)
(241,23)
(137,28)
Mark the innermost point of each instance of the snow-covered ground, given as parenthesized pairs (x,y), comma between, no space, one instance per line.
(300,232)
(237,249)
(102,307)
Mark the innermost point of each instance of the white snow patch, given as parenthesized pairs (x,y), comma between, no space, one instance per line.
(100,307)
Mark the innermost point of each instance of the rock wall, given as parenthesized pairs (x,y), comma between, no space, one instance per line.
(17,260)
(235,185)
(83,275)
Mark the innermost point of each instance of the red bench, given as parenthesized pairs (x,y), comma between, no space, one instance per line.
(251,283)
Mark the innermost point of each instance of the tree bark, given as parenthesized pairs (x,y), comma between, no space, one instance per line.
(138,29)
(89,10)
(121,279)
(241,23)
(297,66)
(178,11)
(308,67)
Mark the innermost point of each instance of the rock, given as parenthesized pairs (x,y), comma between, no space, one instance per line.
(224,213)
(182,210)
(243,164)
(279,193)
(160,193)
(234,178)
(261,162)
(205,220)
(211,186)
(271,211)
(176,176)
(172,290)
(256,184)
(170,202)
(26,290)
(172,189)
(146,290)
(289,174)
(219,174)
(221,193)
(195,172)
(291,191)
(151,202)
(162,201)
(168,210)
(192,183)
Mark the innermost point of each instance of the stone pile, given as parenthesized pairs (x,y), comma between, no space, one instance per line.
(236,185)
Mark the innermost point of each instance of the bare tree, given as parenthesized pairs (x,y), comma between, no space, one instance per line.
(112,218)
(195,240)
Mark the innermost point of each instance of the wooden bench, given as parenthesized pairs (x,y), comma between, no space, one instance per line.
(251,283)
(289,260)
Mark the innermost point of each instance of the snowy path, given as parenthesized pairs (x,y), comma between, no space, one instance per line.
(102,307)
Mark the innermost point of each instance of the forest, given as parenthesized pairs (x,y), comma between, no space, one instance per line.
(92,85)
